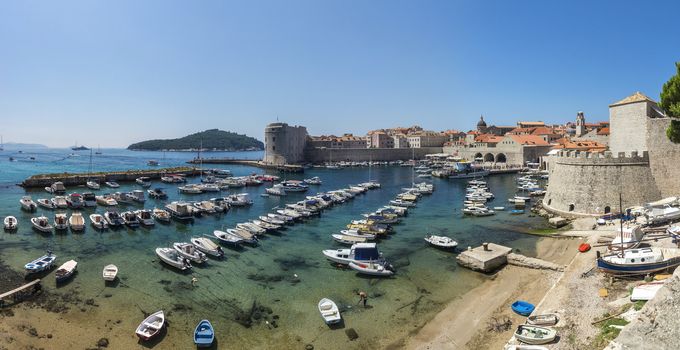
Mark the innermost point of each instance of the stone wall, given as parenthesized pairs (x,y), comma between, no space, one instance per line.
(284,144)
(628,127)
(664,157)
(513,154)
(323,155)
(584,183)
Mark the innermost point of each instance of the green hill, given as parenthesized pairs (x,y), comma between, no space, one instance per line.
(213,139)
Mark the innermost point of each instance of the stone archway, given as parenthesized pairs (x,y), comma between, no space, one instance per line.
(500,158)
(488,157)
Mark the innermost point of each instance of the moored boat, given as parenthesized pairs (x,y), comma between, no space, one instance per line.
(106,200)
(66,271)
(207,246)
(110,272)
(151,326)
(345,239)
(173,258)
(77,222)
(40,264)
(157,193)
(190,252)
(60,221)
(42,224)
(113,218)
(45,203)
(204,334)
(130,219)
(535,335)
(441,242)
(10,223)
(98,221)
(372,268)
(543,320)
(145,217)
(27,203)
(59,202)
(329,311)
(161,215)
(143,181)
(112,184)
(639,261)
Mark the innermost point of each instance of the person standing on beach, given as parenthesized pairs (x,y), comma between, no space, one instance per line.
(363,297)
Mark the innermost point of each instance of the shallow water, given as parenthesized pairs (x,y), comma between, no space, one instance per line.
(426,278)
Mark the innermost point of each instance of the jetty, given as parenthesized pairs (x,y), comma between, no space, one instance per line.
(76,179)
(22,292)
(288,168)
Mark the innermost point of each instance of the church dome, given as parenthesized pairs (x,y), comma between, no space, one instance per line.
(481,123)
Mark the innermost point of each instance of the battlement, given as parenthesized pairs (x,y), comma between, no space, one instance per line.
(602,158)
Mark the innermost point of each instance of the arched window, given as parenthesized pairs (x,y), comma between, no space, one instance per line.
(607,210)
(549,201)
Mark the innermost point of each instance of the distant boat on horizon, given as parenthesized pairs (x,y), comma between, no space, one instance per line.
(79,148)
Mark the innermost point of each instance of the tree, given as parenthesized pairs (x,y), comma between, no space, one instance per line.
(670,103)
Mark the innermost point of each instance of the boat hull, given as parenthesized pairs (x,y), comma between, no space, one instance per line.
(637,269)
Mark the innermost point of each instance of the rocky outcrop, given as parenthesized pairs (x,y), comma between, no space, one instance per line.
(533,263)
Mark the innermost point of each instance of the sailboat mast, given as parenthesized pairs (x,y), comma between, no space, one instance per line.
(621,220)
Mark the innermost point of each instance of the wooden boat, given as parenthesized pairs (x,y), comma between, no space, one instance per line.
(583,247)
(160,215)
(41,224)
(27,203)
(45,203)
(40,264)
(10,223)
(151,326)
(76,221)
(172,257)
(372,268)
(535,335)
(441,242)
(640,261)
(98,221)
(646,291)
(190,252)
(233,237)
(60,221)
(329,311)
(543,320)
(207,246)
(66,271)
(523,308)
(351,240)
(110,272)
(204,334)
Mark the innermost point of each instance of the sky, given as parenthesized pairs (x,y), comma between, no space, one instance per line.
(111,73)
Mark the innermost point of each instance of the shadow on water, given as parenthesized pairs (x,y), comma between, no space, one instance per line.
(112,284)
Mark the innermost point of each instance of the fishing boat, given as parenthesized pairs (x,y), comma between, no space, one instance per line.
(190,252)
(112,184)
(93,185)
(246,236)
(77,222)
(204,334)
(66,271)
(372,268)
(207,246)
(106,200)
(173,258)
(639,261)
(113,219)
(89,200)
(441,242)
(143,181)
(543,320)
(181,211)
(98,221)
(60,221)
(40,264)
(145,217)
(130,219)
(157,193)
(27,203)
(161,215)
(350,240)
(646,291)
(535,335)
(523,308)
(329,311)
(10,223)
(75,201)
(45,203)
(59,202)
(110,272)
(41,224)
(151,326)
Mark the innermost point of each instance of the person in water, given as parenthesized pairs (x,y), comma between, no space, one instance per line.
(363,297)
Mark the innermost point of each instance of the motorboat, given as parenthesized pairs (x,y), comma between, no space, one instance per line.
(205,207)
(665,214)
(265,225)
(641,261)
(112,184)
(75,201)
(77,222)
(350,240)
(89,200)
(137,196)
(161,215)
(157,193)
(10,223)
(56,188)
(110,272)
(441,242)
(359,234)
(124,197)
(27,203)
(207,246)
(276,190)
(145,217)
(66,271)
(239,200)
(60,221)
(45,203)
(289,212)
(252,228)
(41,264)
(113,219)
(220,205)
(151,326)
(41,224)
(535,335)
(181,211)
(93,185)
(360,252)
(98,221)
(272,220)
(106,200)
(233,239)
(204,334)
(285,218)
(313,181)
(190,189)
(173,258)
(152,162)
(208,187)
(190,252)
(59,202)
(483,212)
(329,311)
(143,181)
(294,186)
(543,320)
(372,268)
(130,219)
(245,235)
(402,203)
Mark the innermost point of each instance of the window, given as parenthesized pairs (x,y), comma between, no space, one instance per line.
(549,201)
(274,139)
(273,148)
(607,210)
(571,207)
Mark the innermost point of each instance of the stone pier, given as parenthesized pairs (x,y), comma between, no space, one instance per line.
(485,258)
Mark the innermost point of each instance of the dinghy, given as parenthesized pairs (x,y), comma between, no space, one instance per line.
(441,242)
(372,268)
(151,326)
(65,271)
(204,334)
(172,257)
(583,247)
(523,308)
(10,223)
(40,264)
(535,335)
(543,320)
(161,215)
(41,224)
(190,252)
(207,246)
(98,221)
(230,237)
(329,311)
(110,272)
(77,222)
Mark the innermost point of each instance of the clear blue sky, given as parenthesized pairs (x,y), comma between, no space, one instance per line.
(116,72)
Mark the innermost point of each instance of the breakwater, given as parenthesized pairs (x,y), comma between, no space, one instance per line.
(288,168)
(76,179)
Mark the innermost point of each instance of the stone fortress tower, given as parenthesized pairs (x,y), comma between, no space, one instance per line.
(640,164)
(284,144)
(580,124)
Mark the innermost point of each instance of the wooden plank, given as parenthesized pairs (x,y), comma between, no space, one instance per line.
(19,289)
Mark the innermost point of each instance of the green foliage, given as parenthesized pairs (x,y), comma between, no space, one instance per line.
(607,333)
(670,103)
(673,131)
(639,304)
(209,139)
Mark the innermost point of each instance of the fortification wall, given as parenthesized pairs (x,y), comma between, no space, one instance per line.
(284,144)
(628,125)
(664,157)
(322,155)
(514,154)
(584,183)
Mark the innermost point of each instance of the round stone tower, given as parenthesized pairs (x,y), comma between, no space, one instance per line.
(284,144)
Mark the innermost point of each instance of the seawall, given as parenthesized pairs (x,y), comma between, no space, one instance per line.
(323,155)
(76,179)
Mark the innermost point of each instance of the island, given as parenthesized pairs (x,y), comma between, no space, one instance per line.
(209,140)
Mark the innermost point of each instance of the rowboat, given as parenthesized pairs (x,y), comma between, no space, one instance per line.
(523,308)
(10,223)
(207,246)
(41,224)
(372,268)
(40,264)
(543,320)
(535,335)
(110,272)
(98,221)
(441,242)
(329,311)
(190,252)
(204,334)
(151,326)
(66,270)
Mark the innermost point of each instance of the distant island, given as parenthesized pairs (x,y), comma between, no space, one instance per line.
(17,145)
(209,140)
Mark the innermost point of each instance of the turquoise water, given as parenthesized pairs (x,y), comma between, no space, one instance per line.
(425,281)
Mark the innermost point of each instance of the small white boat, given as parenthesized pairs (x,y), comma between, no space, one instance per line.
(207,246)
(66,270)
(252,228)
(172,257)
(93,185)
(441,241)
(357,233)
(59,202)
(110,272)
(106,200)
(272,221)
(56,188)
(161,215)
(246,236)
(145,217)
(130,219)
(112,184)
(113,219)
(276,190)
(143,181)
(371,268)
(190,189)
(137,196)
(535,335)
(151,326)
(76,221)
(98,221)
(498,208)
(10,223)
(646,291)
(45,203)
(190,252)
(60,221)
(543,320)
(345,239)
(41,224)
(27,203)
(329,311)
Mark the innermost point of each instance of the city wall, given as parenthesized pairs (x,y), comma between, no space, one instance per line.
(323,155)
(664,157)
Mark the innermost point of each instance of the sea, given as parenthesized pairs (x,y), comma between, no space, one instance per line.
(264,296)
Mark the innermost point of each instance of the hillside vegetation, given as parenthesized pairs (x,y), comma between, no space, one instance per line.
(213,139)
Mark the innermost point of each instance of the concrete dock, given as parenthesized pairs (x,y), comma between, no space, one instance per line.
(76,179)
(486,258)
(254,163)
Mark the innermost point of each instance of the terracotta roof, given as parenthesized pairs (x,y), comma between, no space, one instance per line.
(603,131)
(488,138)
(529,140)
(634,98)
(581,145)
(531,123)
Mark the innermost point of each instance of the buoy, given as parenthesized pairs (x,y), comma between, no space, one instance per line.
(584,247)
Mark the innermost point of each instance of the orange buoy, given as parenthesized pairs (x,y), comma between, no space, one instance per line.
(584,247)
